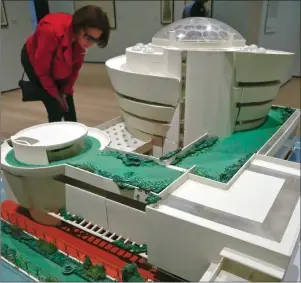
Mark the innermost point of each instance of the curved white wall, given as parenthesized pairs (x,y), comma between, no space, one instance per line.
(149,88)
(146,110)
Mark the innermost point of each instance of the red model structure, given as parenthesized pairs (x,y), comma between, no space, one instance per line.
(78,243)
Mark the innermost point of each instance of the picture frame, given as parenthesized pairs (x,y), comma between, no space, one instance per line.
(271,17)
(108,6)
(167,11)
(4,21)
(209,7)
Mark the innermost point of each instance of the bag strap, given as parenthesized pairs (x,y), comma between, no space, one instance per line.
(22,78)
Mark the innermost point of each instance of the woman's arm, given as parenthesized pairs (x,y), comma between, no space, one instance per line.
(46,43)
(68,84)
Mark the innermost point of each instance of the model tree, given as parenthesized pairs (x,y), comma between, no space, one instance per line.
(87,263)
(15,230)
(130,273)
(50,279)
(46,247)
(97,272)
(4,249)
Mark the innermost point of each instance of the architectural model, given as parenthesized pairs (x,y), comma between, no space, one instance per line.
(191,183)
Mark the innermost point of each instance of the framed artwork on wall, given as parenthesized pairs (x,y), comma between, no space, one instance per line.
(209,7)
(4,22)
(271,17)
(167,11)
(108,6)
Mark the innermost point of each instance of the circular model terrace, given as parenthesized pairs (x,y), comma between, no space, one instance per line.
(41,144)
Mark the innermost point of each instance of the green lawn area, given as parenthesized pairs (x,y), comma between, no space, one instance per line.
(228,151)
(48,266)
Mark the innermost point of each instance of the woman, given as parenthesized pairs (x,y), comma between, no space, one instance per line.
(54,54)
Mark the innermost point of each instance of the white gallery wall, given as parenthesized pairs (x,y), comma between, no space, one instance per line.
(12,39)
(287,31)
(249,18)
(136,21)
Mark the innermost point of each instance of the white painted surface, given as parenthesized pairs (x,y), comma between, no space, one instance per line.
(146,110)
(92,179)
(27,171)
(145,61)
(277,167)
(258,93)
(249,126)
(150,88)
(293,271)
(253,263)
(47,170)
(255,67)
(53,135)
(225,276)
(123,138)
(43,192)
(126,221)
(101,136)
(186,238)
(239,200)
(87,205)
(31,155)
(175,185)
(147,126)
(14,189)
(207,99)
(254,112)
(173,134)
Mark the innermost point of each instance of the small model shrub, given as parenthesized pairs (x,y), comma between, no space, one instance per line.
(11,255)
(4,249)
(97,272)
(130,273)
(63,212)
(87,264)
(69,217)
(46,247)
(131,247)
(15,231)
(152,198)
(50,279)
(5,228)
(78,219)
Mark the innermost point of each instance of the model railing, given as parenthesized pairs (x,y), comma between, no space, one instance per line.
(23,264)
(68,249)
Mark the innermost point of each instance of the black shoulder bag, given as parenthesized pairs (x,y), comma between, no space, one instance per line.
(30,91)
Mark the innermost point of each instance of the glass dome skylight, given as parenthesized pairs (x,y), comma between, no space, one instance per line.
(193,32)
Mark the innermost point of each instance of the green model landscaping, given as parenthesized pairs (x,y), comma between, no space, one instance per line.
(217,159)
(220,158)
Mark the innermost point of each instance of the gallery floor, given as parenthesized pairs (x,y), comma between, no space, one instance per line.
(95,102)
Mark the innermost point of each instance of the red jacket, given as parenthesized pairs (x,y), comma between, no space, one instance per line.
(56,61)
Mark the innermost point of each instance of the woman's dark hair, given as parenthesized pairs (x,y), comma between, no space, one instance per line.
(92,17)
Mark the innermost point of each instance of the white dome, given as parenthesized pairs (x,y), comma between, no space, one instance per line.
(198,31)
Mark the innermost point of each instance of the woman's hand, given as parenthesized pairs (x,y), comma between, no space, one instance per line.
(63,103)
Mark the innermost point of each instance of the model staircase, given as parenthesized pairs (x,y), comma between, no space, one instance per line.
(97,231)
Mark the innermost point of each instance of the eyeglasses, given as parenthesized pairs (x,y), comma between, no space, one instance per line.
(91,38)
